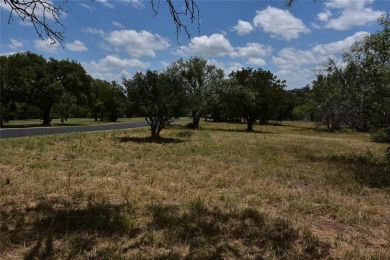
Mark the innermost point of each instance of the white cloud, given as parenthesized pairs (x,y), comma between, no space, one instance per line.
(105,3)
(76,46)
(243,27)
(292,62)
(207,46)
(279,23)
(112,67)
(87,6)
(90,30)
(343,4)
(46,45)
(135,3)
(15,44)
(118,24)
(137,44)
(227,67)
(324,16)
(216,45)
(256,61)
(351,14)
(112,62)
(254,50)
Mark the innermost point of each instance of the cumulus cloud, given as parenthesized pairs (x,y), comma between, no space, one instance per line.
(112,62)
(256,61)
(105,3)
(76,46)
(243,27)
(343,15)
(134,3)
(95,31)
(137,44)
(254,50)
(113,67)
(87,6)
(15,44)
(46,45)
(216,45)
(118,24)
(293,62)
(290,58)
(208,46)
(279,23)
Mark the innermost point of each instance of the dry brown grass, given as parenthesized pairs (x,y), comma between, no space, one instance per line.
(284,191)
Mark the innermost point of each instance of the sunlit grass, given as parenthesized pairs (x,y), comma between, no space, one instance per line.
(283,191)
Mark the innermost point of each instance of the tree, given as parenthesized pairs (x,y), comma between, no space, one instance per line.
(33,80)
(64,105)
(328,101)
(201,80)
(256,94)
(107,99)
(358,93)
(159,97)
(29,78)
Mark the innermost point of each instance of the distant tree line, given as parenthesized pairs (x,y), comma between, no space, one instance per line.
(354,94)
(32,86)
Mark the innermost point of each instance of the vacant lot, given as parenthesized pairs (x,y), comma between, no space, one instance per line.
(283,192)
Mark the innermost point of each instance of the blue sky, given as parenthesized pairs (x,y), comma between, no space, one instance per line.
(115,38)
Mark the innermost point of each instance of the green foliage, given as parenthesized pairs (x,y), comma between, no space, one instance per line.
(201,81)
(357,94)
(31,79)
(159,97)
(255,94)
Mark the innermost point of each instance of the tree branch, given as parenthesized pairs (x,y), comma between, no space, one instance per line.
(38,12)
(190,9)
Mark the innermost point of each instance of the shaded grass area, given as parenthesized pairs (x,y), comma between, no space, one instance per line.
(286,191)
(192,231)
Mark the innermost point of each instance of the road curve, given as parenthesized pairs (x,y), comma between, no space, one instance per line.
(23,132)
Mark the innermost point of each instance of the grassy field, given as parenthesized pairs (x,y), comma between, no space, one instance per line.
(286,191)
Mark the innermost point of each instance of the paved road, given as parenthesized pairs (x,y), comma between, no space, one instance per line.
(22,132)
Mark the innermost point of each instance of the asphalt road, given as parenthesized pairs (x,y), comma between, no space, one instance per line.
(23,132)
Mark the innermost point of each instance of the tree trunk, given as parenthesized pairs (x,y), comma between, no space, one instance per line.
(250,122)
(155,130)
(96,116)
(195,119)
(263,120)
(46,115)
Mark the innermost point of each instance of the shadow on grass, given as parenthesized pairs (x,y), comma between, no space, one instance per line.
(161,140)
(81,229)
(361,169)
(105,231)
(211,233)
(365,169)
(239,131)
